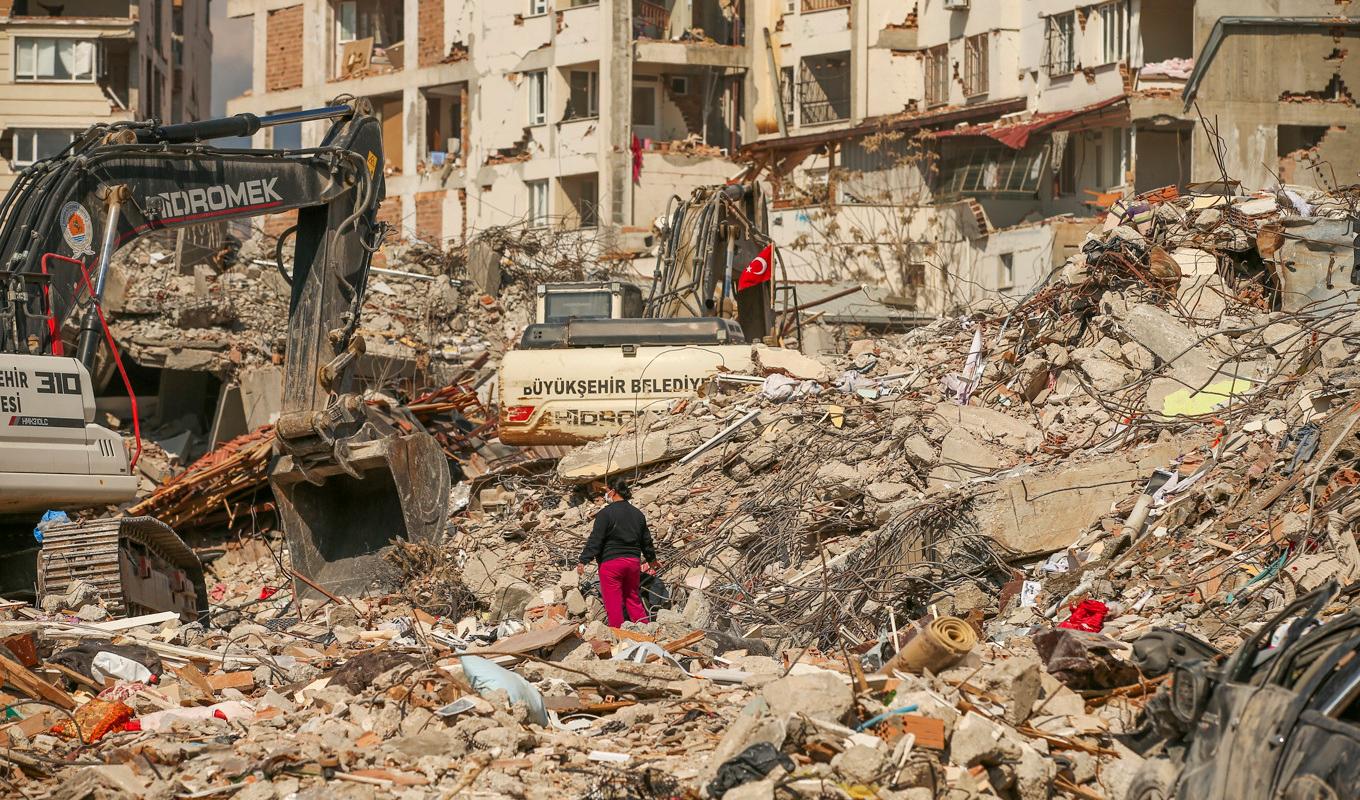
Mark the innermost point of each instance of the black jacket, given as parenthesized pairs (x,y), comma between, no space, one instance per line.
(620,532)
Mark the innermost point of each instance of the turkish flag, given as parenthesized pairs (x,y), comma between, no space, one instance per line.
(759,270)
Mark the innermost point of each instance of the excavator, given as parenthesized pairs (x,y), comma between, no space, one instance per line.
(346,482)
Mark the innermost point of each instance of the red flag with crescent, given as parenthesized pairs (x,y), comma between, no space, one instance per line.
(759,270)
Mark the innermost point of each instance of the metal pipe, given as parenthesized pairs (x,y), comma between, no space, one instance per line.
(305,115)
(88,344)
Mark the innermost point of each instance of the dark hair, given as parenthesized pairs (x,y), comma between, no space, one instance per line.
(620,486)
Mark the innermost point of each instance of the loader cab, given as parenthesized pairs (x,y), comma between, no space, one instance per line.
(587,300)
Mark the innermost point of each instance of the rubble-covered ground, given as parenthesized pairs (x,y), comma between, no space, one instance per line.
(911,570)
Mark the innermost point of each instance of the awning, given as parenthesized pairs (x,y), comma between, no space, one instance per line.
(1015,135)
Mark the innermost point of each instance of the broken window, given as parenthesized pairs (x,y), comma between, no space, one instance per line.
(976,58)
(644,107)
(35,145)
(584,102)
(583,194)
(937,75)
(1290,139)
(1114,31)
(538,203)
(368,37)
(1060,57)
(443,124)
(969,169)
(824,88)
(538,96)
(50,59)
(1005,278)
(786,93)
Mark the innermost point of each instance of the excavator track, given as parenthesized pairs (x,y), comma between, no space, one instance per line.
(139,565)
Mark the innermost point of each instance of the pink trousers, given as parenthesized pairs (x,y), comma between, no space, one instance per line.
(619,581)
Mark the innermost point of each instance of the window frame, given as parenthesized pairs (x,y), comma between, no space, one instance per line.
(538,195)
(539,8)
(592,91)
(36,77)
(537,81)
(1114,49)
(977,64)
(353,6)
(1005,274)
(1055,37)
(967,171)
(655,105)
(937,75)
(15,161)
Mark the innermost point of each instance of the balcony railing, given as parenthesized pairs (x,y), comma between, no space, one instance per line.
(651,21)
(824,5)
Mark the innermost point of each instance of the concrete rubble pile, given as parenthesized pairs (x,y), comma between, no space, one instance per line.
(912,570)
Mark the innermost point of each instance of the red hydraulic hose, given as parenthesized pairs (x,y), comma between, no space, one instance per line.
(113,348)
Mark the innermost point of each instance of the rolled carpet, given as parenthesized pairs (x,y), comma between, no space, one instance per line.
(936,647)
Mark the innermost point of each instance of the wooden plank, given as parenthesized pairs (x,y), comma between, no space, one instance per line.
(232,680)
(33,686)
(134,622)
(190,675)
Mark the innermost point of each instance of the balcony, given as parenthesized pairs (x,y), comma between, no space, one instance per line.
(809,6)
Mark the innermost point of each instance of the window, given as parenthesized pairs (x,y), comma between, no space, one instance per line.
(538,97)
(824,88)
(967,169)
(538,203)
(1005,278)
(644,106)
(35,145)
(583,193)
(1060,49)
(679,85)
(70,60)
(347,21)
(937,75)
(585,94)
(786,93)
(975,65)
(537,7)
(1114,27)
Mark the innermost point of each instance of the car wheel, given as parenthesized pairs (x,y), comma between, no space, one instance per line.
(1156,780)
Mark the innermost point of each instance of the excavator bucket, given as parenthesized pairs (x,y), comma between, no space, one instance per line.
(341,516)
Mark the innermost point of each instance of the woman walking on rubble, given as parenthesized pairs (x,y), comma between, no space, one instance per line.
(619,540)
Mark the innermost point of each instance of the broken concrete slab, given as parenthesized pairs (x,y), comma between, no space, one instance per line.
(788,362)
(599,460)
(820,695)
(1040,512)
(962,457)
(987,423)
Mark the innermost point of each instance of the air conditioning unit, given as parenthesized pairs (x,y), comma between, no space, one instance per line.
(956,5)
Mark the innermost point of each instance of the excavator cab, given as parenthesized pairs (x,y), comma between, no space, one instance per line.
(348,482)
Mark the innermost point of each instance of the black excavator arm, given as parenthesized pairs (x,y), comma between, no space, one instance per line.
(346,482)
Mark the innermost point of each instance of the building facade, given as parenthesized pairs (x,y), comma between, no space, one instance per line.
(949,148)
(583,115)
(937,148)
(67,65)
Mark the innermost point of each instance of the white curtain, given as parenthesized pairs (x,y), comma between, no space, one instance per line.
(46,58)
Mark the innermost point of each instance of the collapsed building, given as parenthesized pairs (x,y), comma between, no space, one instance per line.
(934,565)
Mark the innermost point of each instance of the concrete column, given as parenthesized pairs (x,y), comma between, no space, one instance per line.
(317,43)
(859,59)
(616,114)
(414,114)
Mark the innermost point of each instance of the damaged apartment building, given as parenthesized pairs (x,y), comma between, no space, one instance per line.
(943,148)
(68,64)
(584,115)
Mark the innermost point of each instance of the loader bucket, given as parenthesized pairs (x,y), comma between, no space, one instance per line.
(339,527)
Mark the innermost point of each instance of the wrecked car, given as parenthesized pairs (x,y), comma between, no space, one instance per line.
(1279,718)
